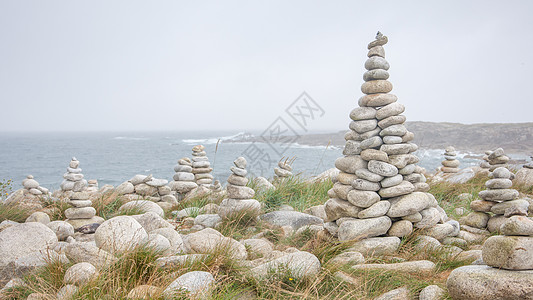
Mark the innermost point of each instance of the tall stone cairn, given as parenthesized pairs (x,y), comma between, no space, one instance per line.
(497,158)
(74,178)
(450,164)
(201,166)
(239,195)
(380,190)
(81,213)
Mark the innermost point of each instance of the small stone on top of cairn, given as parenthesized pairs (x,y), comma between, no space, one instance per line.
(497,158)
(450,164)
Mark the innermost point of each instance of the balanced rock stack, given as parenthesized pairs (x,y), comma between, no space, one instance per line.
(92,185)
(201,168)
(450,164)
(508,257)
(149,188)
(73,178)
(31,186)
(499,202)
(485,165)
(284,169)
(184,178)
(380,190)
(497,158)
(239,195)
(81,213)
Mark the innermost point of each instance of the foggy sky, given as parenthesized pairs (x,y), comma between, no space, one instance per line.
(236,65)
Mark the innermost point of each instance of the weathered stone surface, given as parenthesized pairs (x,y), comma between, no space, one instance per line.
(376,87)
(142,206)
(524,177)
(501,207)
(25,239)
(198,284)
(350,164)
(482,205)
(377,246)
(363,185)
(483,282)
(409,204)
(291,218)
(337,208)
(300,264)
(119,234)
(88,252)
(208,240)
(390,110)
(401,293)
(431,292)
(382,168)
(499,195)
(74,213)
(403,188)
(125,188)
(517,225)
(376,62)
(233,207)
(240,192)
(439,231)
(38,216)
(509,252)
(353,229)
(401,228)
(349,257)
(80,273)
(377,100)
(144,291)
(412,267)
(362,126)
(377,209)
(62,229)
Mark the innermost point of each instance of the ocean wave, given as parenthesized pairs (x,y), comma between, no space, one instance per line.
(128,138)
(215,140)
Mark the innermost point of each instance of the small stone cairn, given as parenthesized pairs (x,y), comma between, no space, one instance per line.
(485,165)
(240,197)
(31,186)
(380,190)
(82,213)
(149,188)
(524,176)
(184,178)
(73,178)
(92,186)
(498,203)
(201,168)
(284,168)
(450,164)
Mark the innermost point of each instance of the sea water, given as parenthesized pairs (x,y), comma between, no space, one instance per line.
(114,157)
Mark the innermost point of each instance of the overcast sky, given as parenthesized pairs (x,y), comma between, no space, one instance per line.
(237,65)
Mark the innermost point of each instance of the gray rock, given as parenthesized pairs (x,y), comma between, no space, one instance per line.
(391,181)
(377,100)
(409,204)
(517,225)
(403,188)
(382,168)
(377,209)
(501,207)
(208,220)
(25,239)
(390,110)
(376,74)
(377,246)
(234,208)
(299,264)
(62,229)
(431,292)
(376,62)
(87,252)
(151,221)
(198,284)
(349,164)
(371,142)
(363,126)
(401,228)
(366,175)
(363,113)
(349,257)
(142,206)
(353,229)
(483,282)
(412,267)
(401,293)
(498,195)
(119,234)
(338,208)
(80,274)
(240,192)
(80,212)
(509,252)
(364,185)
(208,240)
(430,217)
(290,218)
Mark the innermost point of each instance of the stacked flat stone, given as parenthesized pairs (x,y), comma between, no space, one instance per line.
(497,158)
(184,179)
(450,164)
(149,188)
(380,190)
(240,197)
(485,165)
(81,213)
(31,186)
(74,178)
(201,168)
(283,170)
